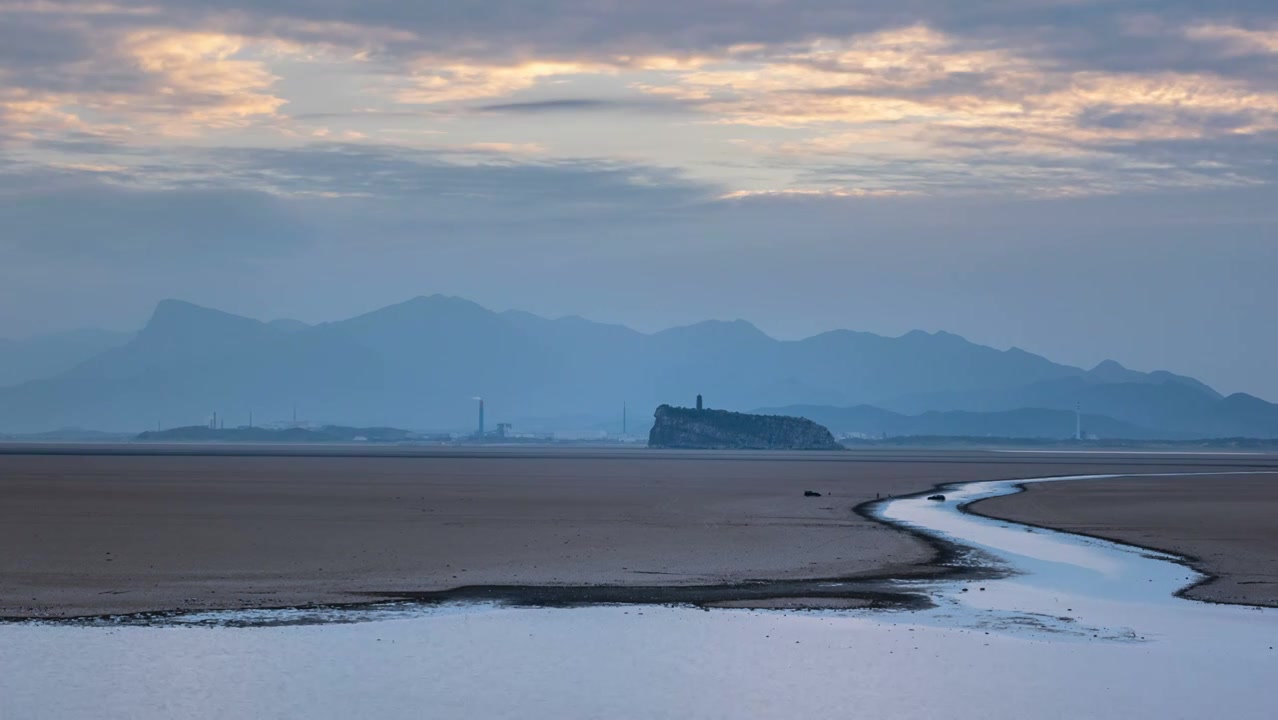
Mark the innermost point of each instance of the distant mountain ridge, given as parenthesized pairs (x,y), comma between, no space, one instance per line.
(420,364)
(1025,423)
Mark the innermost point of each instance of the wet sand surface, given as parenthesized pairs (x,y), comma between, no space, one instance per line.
(1072,614)
(1226,525)
(90,530)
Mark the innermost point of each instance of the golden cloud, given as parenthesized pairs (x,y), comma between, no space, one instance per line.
(506,148)
(183,83)
(912,93)
(198,79)
(442,80)
(1242,41)
(434,81)
(828,192)
(917,93)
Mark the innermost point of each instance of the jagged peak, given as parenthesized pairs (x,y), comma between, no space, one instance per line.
(842,335)
(569,323)
(938,335)
(439,300)
(736,327)
(1241,398)
(425,306)
(172,312)
(185,324)
(173,305)
(1108,365)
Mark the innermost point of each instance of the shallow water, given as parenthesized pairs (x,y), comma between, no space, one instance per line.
(1084,629)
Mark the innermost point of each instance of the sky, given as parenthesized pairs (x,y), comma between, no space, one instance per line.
(1085,179)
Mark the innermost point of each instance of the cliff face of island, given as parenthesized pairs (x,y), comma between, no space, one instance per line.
(689,429)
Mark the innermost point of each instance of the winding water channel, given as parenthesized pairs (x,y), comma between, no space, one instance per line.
(1079,628)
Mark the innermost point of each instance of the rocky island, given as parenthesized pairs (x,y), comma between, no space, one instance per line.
(701,429)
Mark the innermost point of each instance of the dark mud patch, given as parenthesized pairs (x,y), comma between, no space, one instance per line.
(883,594)
(815,594)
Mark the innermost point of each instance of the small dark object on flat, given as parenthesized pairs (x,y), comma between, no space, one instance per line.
(938,498)
(809,493)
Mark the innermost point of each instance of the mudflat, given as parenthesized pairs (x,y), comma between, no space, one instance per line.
(1225,525)
(92,530)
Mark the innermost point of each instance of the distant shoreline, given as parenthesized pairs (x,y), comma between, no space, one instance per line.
(1255,446)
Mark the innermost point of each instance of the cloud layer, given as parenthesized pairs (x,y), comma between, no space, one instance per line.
(1050,97)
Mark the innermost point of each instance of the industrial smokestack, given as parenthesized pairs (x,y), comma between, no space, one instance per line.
(481,417)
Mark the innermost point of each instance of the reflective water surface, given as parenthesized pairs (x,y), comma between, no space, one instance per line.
(1083,629)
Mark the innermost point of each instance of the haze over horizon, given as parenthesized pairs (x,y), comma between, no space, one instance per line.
(1085,180)
(418,364)
(123,330)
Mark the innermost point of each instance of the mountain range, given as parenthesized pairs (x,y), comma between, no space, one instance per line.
(869,422)
(421,364)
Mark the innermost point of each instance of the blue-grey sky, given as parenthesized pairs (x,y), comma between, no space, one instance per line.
(1086,179)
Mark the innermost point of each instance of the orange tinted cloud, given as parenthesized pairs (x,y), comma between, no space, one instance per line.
(908,94)
(1241,41)
(181,83)
(435,81)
